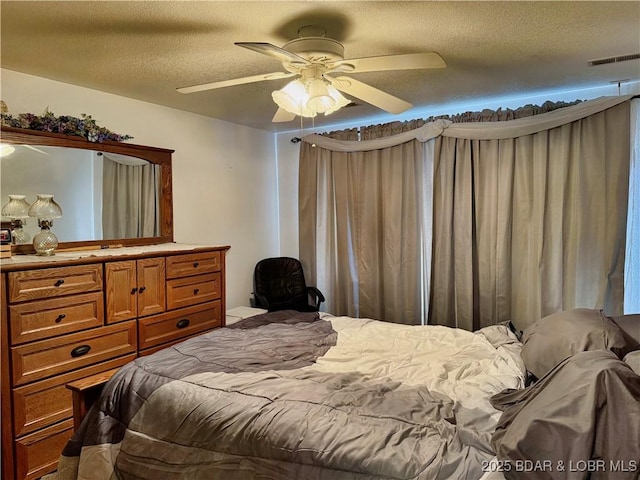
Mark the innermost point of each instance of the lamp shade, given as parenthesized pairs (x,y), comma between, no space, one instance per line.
(16,207)
(45,207)
(293,98)
(6,149)
(340,100)
(319,99)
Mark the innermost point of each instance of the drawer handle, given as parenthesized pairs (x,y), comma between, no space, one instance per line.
(60,317)
(195,264)
(134,290)
(184,323)
(195,291)
(58,283)
(142,289)
(80,351)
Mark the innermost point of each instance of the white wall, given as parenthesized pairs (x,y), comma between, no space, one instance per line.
(224,175)
(288,153)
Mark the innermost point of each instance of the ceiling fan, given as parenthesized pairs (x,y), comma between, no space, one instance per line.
(319,66)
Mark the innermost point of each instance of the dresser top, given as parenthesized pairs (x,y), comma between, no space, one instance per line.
(72,257)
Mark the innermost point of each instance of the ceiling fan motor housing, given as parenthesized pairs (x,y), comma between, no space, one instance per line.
(316,49)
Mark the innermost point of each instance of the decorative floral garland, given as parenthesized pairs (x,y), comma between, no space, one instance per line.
(85,126)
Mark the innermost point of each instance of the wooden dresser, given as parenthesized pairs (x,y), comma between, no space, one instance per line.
(78,314)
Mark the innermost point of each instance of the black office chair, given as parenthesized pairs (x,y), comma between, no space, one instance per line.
(278,284)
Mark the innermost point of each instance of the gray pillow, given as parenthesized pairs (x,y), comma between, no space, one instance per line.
(633,360)
(630,324)
(559,335)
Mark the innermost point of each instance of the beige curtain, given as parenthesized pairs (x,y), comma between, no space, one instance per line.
(529,217)
(365,223)
(131,200)
(530,225)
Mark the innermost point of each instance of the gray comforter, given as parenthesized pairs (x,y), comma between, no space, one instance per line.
(287,395)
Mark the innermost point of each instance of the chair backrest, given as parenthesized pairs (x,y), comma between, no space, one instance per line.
(280,279)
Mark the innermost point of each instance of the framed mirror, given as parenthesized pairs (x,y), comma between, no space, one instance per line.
(111,193)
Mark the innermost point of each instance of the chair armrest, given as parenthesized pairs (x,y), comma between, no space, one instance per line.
(85,392)
(317,295)
(262,301)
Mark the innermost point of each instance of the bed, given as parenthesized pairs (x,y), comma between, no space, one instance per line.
(289,395)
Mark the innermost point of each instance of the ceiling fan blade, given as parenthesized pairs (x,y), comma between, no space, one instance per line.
(273,51)
(370,94)
(235,81)
(283,116)
(411,61)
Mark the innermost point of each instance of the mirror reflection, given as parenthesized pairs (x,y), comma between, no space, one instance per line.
(103,195)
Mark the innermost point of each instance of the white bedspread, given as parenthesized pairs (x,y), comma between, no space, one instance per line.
(468,367)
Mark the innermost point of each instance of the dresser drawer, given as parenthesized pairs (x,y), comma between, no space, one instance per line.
(49,318)
(49,401)
(46,358)
(38,453)
(193,264)
(54,282)
(182,292)
(178,324)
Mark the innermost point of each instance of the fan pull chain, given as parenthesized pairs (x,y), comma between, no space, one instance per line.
(301,127)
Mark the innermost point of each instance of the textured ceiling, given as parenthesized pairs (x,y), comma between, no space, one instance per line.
(146,49)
